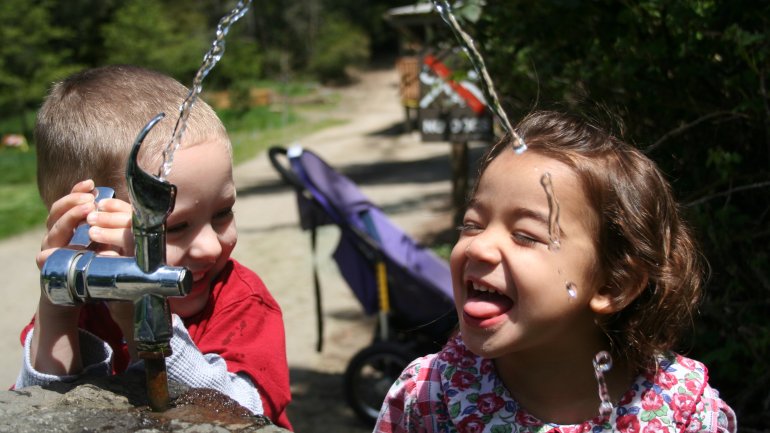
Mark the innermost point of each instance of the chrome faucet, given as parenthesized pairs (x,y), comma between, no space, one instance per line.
(76,274)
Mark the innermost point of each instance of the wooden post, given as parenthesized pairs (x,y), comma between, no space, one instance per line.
(459,161)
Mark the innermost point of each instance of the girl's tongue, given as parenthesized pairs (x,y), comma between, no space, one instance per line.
(485,305)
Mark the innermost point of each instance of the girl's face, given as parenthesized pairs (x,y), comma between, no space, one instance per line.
(514,292)
(201,231)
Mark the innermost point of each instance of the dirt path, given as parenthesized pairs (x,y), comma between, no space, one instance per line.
(407,178)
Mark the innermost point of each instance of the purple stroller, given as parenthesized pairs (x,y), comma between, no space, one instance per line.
(406,285)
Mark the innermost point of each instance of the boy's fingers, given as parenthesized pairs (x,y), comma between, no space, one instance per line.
(81,193)
(67,203)
(42,256)
(109,220)
(114,205)
(61,230)
(84,186)
(119,240)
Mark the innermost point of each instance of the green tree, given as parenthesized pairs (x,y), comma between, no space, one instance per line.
(144,33)
(339,45)
(27,64)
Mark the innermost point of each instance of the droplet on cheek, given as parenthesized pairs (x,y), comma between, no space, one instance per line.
(571,290)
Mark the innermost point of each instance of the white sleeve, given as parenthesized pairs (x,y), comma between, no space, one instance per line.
(187,365)
(95,353)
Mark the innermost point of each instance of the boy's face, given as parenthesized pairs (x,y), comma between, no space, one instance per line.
(201,231)
(512,290)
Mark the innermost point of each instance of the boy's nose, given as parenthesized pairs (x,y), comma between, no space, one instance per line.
(206,244)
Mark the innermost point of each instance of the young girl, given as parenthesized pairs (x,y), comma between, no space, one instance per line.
(573,277)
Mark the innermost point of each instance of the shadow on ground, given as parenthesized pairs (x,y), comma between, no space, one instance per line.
(318,400)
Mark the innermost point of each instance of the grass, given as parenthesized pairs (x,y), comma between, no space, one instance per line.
(251,132)
(20,205)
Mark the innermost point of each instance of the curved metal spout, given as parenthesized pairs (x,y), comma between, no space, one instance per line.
(153,200)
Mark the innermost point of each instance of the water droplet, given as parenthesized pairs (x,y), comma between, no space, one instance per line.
(572,290)
(554,234)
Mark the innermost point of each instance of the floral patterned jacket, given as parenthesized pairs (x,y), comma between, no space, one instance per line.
(457,391)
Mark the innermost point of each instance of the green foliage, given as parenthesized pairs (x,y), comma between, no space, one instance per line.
(340,44)
(27,62)
(689,78)
(20,205)
(242,63)
(143,33)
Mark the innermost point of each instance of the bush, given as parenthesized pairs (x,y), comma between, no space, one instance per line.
(340,45)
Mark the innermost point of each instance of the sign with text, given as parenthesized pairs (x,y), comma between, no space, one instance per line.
(452,107)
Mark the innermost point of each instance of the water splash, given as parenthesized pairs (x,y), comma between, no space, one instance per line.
(571,290)
(554,233)
(210,59)
(487,86)
(603,364)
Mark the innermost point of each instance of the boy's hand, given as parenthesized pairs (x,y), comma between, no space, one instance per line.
(110,223)
(65,215)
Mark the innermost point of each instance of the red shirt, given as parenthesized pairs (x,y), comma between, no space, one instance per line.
(241,322)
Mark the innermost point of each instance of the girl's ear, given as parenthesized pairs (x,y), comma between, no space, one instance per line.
(609,300)
(602,301)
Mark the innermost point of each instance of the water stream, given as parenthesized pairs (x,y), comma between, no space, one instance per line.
(487,86)
(210,59)
(603,364)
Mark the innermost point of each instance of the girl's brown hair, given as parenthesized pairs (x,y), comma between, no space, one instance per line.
(649,260)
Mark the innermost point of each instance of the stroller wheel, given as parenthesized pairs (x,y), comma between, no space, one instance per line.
(370,375)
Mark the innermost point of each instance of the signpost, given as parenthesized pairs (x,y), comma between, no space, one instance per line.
(453,109)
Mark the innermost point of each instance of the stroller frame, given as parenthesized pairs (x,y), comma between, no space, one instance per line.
(400,335)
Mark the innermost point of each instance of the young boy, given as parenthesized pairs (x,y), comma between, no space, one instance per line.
(228,331)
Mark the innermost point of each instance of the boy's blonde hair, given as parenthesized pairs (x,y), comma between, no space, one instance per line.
(649,260)
(89,121)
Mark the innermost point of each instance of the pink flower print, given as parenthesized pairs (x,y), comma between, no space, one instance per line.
(686,362)
(655,426)
(463,380)
(651,400)
(695,425)
(627,397)
(525,419)
(489,403)
(628,424)
(452,353)
(487,366)
(471,424)
(692,386)
(666,380)
(682,404)
(467,362)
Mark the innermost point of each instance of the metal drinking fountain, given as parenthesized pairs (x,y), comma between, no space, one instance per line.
(76,275)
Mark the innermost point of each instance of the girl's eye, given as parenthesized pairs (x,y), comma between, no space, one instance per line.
(177,228)
(524,240)
(468,228)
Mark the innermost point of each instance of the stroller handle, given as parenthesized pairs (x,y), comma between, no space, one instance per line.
(288,176)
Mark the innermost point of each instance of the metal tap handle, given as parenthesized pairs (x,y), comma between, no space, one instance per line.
(81,240)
